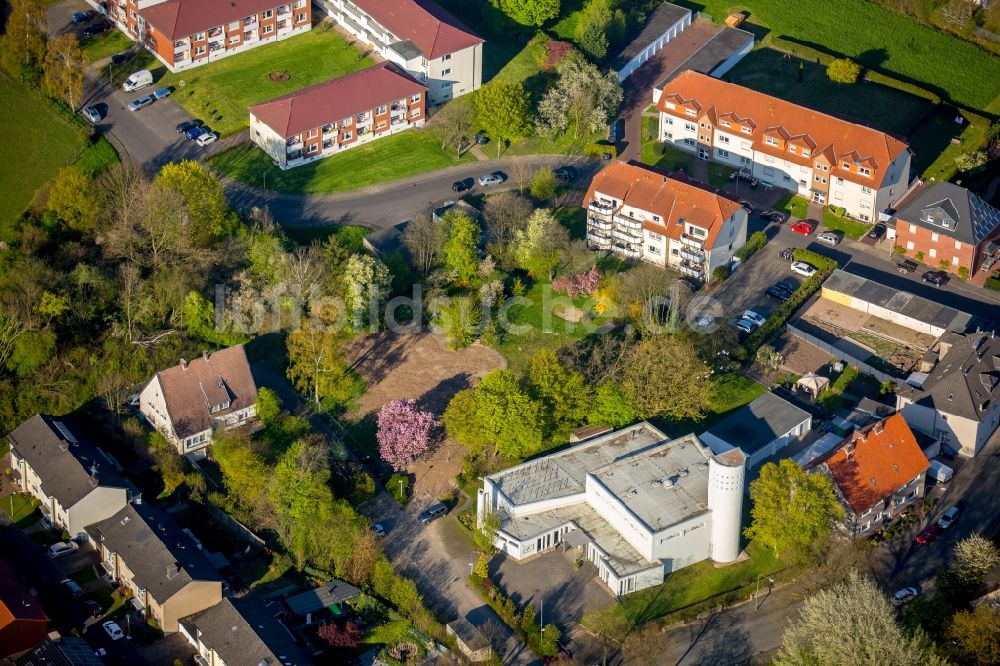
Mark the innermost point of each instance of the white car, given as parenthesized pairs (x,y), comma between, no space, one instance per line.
(206,139)
(757,318)
(113,630)
(804,269)
(62,549)
(91,113)
(491,179)
(904,595)
(829,237)
(948,518)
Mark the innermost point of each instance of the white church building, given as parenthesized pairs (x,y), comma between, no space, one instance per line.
(635,503)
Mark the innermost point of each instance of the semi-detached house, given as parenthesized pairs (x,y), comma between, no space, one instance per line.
(187,33)
(329,117)
(823,158)
(639,213)
(419,36)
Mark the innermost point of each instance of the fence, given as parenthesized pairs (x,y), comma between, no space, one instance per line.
(842,350)
(240,530)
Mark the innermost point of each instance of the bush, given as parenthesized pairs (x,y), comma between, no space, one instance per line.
(599,149)
(720,273)
(963,272)
(543,184)
(843,70)
(757,240)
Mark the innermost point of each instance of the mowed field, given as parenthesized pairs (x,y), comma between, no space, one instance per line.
(36,143)
(878,39)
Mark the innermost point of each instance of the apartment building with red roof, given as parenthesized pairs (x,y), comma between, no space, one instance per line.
(23,623)
(419,36)
(187,33)
(329,117)
(640,213)
(825,159)
(879,472)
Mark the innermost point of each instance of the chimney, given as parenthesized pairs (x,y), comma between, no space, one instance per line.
(879,427)
(204,355)
(184,364)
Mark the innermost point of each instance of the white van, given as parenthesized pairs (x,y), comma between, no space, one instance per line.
(137,80)
(940,472)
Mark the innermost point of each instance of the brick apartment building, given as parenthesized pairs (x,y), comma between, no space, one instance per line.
(329,117)
(639,213)
(949,227)
(823,158)
(187,33)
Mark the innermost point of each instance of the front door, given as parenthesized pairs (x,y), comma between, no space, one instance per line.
(703,153)
(819,197)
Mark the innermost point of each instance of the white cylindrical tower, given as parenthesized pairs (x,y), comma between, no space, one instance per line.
(726,473)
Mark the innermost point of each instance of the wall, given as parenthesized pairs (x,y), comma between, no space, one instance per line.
(683,543)
(725,500)
(626,523)
(723,68)
(101,503)
(839,354)
(195,596)
(654,46)
(935,246)
(465,76)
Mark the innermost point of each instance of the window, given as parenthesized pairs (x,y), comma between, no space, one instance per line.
(846,165)
(864,171)
(913,228)
(695,231)
(656,218)
(446,71)
(313,147)
(745,160)
(690,127)
(769,171)
(654,250)
(299,18)
(746,130)
(198,50)
(792,149)
(864,217)
(771,141)
(346,121)
(954,261)
(723,138)
(446,57)
(704,125)
(805,153)
(199,36)
(722,153)
(934,237)
(932,253)
(235,25)
(769,160)
(838,196)
(690,142)
(909,245)
(347,136)
(414,113)
(267,13)
(267,29)
(300,4)
(745,145)
(362,117)
(958,245)
(803,183)
(724,123)
(866,190)
(235,39)
(840,181)
(667,120)
(865,205)
(671,105)
(690,112)
(382,108)
(415,99)
(654,236)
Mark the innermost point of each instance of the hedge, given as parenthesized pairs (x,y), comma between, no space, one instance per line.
(756,241)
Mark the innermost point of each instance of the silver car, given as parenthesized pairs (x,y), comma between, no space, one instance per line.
(495,178)
(140,103)
(829,237)
(91,113)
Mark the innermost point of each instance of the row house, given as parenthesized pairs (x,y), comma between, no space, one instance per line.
(638,213)
(419,36)
(820,157)
(329,117)
(187,33)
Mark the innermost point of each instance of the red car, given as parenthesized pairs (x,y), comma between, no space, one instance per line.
(928,535)
(803,227)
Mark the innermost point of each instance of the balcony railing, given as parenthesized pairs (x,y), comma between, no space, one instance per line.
(693,241)
(629,222)
(599,242)
(626,237)
(598,223)
(692,256)
(693,270)
(602,208)
(631,253)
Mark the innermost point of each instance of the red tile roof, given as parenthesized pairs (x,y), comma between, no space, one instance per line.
(182,18)
(875,462)
(433,30)
(824,136)
(16,602)
(335,100)
(671,199)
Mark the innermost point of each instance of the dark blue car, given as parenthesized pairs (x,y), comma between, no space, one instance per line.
(195,132)
(80,17)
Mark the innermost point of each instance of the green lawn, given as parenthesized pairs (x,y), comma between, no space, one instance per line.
(656,153)
(398,485)
(878,39)
(105,45)
(794,205)
(30,122)
(853,229)
(934,152)
(219,93)
(390,158)
(24,507)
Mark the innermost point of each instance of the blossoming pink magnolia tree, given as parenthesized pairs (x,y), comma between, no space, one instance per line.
(404,432)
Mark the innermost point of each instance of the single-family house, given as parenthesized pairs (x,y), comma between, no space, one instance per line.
(23,622)
(759,429)
(242,632)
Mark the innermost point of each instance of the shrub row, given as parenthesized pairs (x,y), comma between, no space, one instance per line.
(543,645)
(599,149)
(757,240)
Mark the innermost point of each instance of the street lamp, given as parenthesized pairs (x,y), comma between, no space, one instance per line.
(770,582)
(400,491)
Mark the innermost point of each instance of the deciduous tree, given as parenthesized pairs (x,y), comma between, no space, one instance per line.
(210,216)
(539,248)
(582,96)
(366,286)
(300,492)
(268,405)
(460,253)
(404,433)
(506,213)
(453,124)
(317,368)
(423,238)
(343,635)
(73,199)
(530,12)
(543,184)
(592,28)
(611,407)
(498,413)
(502,108)
(23,44)
(975,636)
(460,317)
(663,376)
(973,559)
(564,395)
(65,65)
(843,70)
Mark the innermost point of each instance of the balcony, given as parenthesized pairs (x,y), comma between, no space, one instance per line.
(602,208)
(598,242)
(598,223)
(692,270)
(693,241)
(626,237)
(629,222)
(625,251)
(693,256)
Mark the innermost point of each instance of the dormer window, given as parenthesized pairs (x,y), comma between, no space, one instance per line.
(690,112)
(724,123)
(846,165)
(864,171)
(805,152)
(771,141)
(670,105)
(746,130)
(220,407)
(792,149)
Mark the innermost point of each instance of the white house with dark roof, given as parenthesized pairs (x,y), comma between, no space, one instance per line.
(192,400)
(76,483)
(759,429)
(242,632)
(636,504)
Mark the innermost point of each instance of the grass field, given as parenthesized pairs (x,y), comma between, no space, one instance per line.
(389,158)
(934,152)
(853,229)
(794,205)
(33,129)
(877,39)
(105,45)
(24,508)
(219,93)
(655,153)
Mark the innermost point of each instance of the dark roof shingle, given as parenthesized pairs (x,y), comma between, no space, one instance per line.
(953,211)
(753,426)
(246,631)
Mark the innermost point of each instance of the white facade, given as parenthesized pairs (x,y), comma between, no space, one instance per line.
(725,496)
(654,46)
(965,436)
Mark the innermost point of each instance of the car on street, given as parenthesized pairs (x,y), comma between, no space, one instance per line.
(936,278)
(774,216)
(877,231)
(748,205)
(113,630)
(907,266)
(140,103)
(744,325)
(82,17)
(463,185)
(803,227)
(91,113)
(904,595)
(119,58)
(160,93)
(433,512)
(830,237)
(378,530)
(62,549)
(804,269)
(93,608)
(96,28)
(188,124)
(495,178)
(196,131)
(757,318)
(206,138)
(929,535)
(565,174)
(949,517)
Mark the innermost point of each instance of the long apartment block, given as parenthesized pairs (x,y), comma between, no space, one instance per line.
(419,36)
(329,117)
(640,214)
(187,33)
(826,159)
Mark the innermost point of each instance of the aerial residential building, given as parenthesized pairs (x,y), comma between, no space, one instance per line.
(242,631)
(23,623)
(329,117)
(760,429)
(879,471)
(662,25)
(148,553)
(57,650)
(823,158)
(187,33)
(192,400)
(634,503)
(76,483)
(420,37)
(955,396)
(952,228)
(639,213)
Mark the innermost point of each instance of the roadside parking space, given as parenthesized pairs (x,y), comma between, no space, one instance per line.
(746,289)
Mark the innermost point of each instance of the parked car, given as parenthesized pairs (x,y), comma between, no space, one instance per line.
(432,512)
(91,113)
(830,237)
(112,629)
(137,80)
(188,124)
(463,185)
(929,535)
(936,278)
(780,294)
(907,266)
(495,178)
(119,58)
(82,17)
(93,607)
(196,131)
(566,174)
(744,325)
(481,138)
(877,231)
(756,318)
(62,549)
(72,587)
(96,28)
(803,227)
(206,138)
(804,269)
(140,103)
(949,517)
(378,530)
(904,595)
(787,285)
(160,93)
(774,216)
(748,205)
